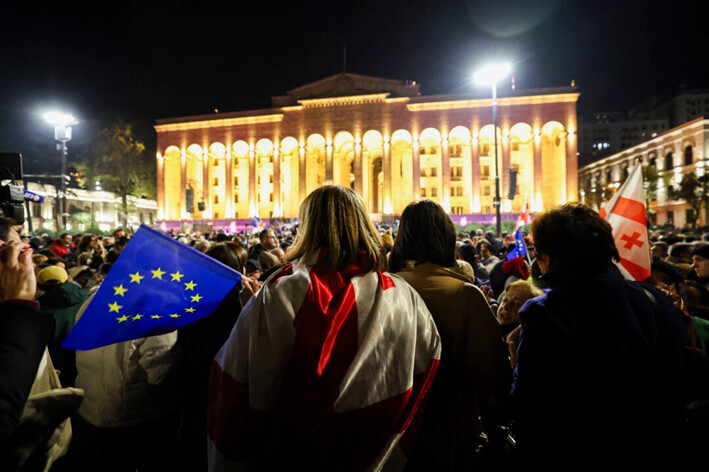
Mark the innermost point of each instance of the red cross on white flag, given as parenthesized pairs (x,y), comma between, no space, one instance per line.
(626,214)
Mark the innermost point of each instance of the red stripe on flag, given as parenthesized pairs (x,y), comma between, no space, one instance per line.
(602,213)
(228,414)
(385,281)
(638,272)
(630,209)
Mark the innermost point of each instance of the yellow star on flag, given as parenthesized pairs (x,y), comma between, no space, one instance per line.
(114,307)
(196,298)
(174,315)
(190,285)
(157,274)
(189,310)
(136,277)
(177,276)
(155,317)
(137,317)
(120,290)
(122,319)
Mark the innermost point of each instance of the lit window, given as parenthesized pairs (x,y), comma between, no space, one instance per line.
(434,192)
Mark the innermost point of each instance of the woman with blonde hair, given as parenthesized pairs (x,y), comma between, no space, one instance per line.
(330,359)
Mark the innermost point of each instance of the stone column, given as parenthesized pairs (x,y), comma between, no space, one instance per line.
(572,167)
(505,177)
(387,206)
(538,204)
(205,184)
(475,193)
(277,202)
(253,205)
(301,172)
(328,161)
(163,212)
(445,176)
(416,168)
(358,183)
(229,186)
(183,183)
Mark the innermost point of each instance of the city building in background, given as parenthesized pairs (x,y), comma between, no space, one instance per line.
(86,209)
(666,157)
(603,134)
(380,137)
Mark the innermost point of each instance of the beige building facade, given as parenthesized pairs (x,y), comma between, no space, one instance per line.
(674,153)
(377,136)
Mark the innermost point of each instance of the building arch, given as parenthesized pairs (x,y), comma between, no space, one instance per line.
(240,178)
(265,171)
(314,162)
(402,178)
(431,164)
(172,170)
(195,185)
(669,160)
(460,168)
(521,145)
(372,153)
(290,176)
(688,155)
(553,155)
(343,159)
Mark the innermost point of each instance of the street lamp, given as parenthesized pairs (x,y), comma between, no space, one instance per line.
(490,75)
(62,132)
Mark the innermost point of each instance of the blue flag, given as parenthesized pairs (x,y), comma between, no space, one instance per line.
(157,285)
(520,248)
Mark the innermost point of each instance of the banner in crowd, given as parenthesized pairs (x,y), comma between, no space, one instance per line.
(520,248)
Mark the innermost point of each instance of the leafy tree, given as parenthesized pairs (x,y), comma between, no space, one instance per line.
(119,161)
(695,191)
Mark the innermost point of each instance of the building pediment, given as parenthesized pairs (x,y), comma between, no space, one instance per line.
(347,85)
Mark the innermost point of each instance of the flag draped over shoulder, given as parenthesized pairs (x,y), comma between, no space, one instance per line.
(626,214)
(325,370)
(520,248)
(157,285)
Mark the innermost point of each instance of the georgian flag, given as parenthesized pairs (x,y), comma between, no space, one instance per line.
(626,214)
(524,218)
(324,370)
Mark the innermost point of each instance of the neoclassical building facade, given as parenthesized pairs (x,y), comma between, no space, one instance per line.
(672,154)
(378,136)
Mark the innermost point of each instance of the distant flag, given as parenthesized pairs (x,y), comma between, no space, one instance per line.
(524,217)
(157,285)
(520,248)
(626,214)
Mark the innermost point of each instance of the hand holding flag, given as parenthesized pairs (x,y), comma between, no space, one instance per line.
(157,285)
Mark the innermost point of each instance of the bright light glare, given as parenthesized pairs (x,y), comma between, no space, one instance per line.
(492,73)
(59,118)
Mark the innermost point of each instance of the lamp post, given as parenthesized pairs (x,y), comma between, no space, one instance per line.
(490,75)
(62,132)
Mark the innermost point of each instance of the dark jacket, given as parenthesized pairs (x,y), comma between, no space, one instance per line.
(598,372)
(63,301)
(24,332)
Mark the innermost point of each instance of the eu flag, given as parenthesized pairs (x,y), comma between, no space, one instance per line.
(157,285)
(520,248)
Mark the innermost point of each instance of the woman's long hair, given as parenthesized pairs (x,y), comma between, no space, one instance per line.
(335,217)
(426,234)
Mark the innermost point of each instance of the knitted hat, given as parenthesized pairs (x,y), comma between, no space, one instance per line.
(52,275)
(516,266)
(702,251)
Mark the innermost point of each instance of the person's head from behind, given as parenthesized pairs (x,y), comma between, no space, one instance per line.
(335,217)
(230,254)
(573,243)
(51,276)
(426,234)
(515,295)
(664,274)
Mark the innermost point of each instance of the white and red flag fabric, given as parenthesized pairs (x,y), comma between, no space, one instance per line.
(525,218)
(324,370)
(626,214)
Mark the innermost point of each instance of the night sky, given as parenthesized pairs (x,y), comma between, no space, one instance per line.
(148,60)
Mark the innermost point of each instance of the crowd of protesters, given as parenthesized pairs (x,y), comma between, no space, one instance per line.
(551,358)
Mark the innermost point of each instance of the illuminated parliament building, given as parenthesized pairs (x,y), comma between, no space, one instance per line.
(380,137)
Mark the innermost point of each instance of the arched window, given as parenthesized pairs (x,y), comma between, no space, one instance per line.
(688,158)
(653,162)
(668,161)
